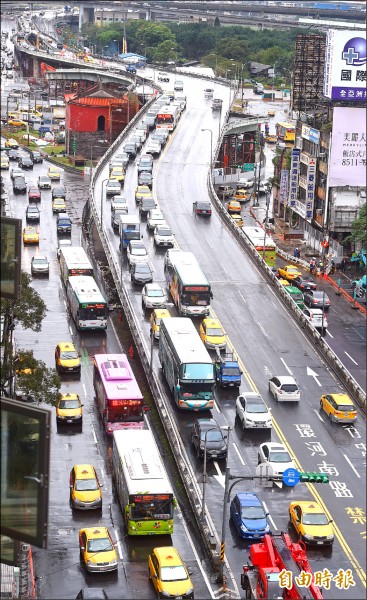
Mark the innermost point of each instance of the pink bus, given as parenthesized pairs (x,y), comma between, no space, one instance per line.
(119,398)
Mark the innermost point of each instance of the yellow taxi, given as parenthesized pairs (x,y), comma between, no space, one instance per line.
(168,574)
(271,112)
(118,173)
(339,408)
(234,207)
(242,195)
(142,191)
(69,409)
(54,173)
(17,123)
(97,550)
(67,358)
(284,282)
(58,205)
(11,144)
(238,220)
(4,162)
(271,138)
(85,490)
(155,320)
(212,334)
(289,272)
(311,523)
(30,235)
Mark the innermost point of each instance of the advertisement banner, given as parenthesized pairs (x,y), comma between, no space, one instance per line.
(284,181)
(345,65)
(311,134)
(310,191)
(296,152)
(348,147)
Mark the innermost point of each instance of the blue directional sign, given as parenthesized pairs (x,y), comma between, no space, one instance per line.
(291,477)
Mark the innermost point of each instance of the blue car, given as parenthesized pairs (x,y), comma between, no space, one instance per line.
(249,516)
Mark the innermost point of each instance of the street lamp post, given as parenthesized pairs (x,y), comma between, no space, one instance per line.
(272,83)
(102,182)
(211,147)
(266,221)
(228,429)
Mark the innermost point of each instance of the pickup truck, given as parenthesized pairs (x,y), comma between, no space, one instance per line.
(227,370)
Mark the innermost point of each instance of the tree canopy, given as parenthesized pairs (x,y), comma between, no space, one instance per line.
(359,231)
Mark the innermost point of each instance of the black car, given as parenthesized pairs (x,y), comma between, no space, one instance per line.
(32,213)
(58,192)
(304,283)
(141,273)
(146,205)
(316,299)
(208,438)
(36,156)
(13,154)
(202,207)
(145,178)
(25,162)
(19,185)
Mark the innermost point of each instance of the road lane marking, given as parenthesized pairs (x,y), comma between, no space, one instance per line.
(217,468)
(118,544)
(286,366)
(270,517)
(239,453)
(94,434)
(318,415)
(216,407)
(85,390)
(262,329)
(354,469)
(328,332)
(71,331)
(242,296)
(352,359)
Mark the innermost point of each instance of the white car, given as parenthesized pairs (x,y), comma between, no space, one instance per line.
(62,243)
(155,217)
(252,411)
(316,317)
(276,456)
(44,182)
(153,148)
(284,388)
(113,187)
(119,202)
(163,235)
(246,183)
(153,296)
(168,256)
(137,252)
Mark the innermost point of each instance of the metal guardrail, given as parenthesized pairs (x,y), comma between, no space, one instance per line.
(162,403)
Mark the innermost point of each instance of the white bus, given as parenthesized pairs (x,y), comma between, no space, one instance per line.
(263,243)
(189,288)
(142,485)
(86,303)
(168,117)
(74,261)
(186,364)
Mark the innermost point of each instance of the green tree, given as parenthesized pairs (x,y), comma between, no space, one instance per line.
(35,379)
(359,231)
(28,311)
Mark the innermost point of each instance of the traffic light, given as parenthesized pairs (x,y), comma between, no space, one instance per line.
(314,477)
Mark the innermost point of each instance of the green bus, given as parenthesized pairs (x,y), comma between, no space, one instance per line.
(143,488)
(296,295)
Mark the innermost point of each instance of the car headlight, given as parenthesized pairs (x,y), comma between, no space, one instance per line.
(189,592)
(249,420)
(164,593)
(330,537)
(90,563)
(307,536)
(243,528)
(112,563)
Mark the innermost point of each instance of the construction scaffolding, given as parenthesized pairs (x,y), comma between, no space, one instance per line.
(308,75)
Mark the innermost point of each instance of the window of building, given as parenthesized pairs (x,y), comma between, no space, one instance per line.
(101,123)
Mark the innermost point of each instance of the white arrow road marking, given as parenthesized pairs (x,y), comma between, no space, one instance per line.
(314,375)
(220,478)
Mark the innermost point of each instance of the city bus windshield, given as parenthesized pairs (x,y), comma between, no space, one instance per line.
(193,371)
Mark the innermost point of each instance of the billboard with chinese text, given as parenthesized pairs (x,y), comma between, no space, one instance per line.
(345,65)
(348,147)
(293,187)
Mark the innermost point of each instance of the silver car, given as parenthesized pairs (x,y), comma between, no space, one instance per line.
(40,265)
(153,296)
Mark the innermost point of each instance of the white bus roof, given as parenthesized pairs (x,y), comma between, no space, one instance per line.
(86,289)
(141,462)
(256,235)
(130,219)
(187,342)
(188,269)
(75,256)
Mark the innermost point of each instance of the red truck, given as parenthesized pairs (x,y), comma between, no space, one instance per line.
(260,577)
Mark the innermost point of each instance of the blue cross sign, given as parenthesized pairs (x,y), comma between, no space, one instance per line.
(350,56)
(291,477)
